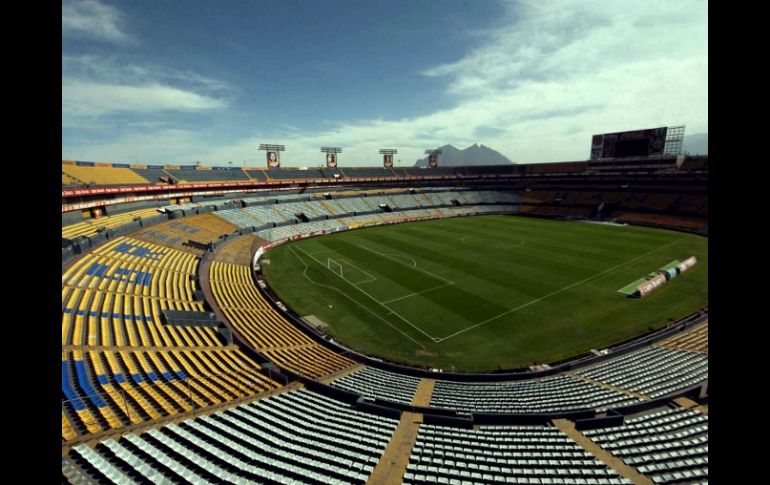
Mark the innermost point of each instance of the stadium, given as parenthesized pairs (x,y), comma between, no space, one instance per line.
(530,323)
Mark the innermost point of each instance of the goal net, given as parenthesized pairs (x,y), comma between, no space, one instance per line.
(335,267)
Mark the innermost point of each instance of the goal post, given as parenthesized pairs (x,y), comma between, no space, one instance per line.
(335,267)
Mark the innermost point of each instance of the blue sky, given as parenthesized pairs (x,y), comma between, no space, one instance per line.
(185,81)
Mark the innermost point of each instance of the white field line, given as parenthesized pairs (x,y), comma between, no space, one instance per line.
(417,293)
(322,251)
(557,291)
(390,310)
(342,272)
(371,278)
(304,273)
(402,263)
(393,256)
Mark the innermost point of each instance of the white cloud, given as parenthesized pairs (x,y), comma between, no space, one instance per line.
(93,20)
(95,86)
(95,99)
(537,88)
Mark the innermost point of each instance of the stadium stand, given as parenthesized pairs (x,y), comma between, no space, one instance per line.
(548,395)
(652,371)
(178,233)
(288,173)
(202,175)
(162,402)
(263,328)
(366,172)
(376,383)
(152,175)
(121,364)
(89,227)
(256,174)
(101,174)
(695,340)
(300,436)
(512,454)
(669,446)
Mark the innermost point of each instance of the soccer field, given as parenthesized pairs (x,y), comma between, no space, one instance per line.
(488,292)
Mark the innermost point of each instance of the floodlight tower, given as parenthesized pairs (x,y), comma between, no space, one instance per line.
(331,156)
(273,154)
(387,158)
(433,157)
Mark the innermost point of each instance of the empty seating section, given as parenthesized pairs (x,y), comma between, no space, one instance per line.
(121,365)
(264,328)
(152,175)
(221,175)
(289,173)
(67,181)
(103,175)
(367,172)
(561,167)
(290,210)
(293,437)
(262,211)
(652,371)
(405,201)
(355,204)
(282,232)
(548,395)
(509,454)
(239,250)
(663,220)
(428,172)
(489,170)
(695,340)
(375,383)
(669,446)
(264,214)
(239,218)
(256,174)
(88,227)
(176,233)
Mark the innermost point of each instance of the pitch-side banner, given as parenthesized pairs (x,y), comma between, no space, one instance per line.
(331,160)
(387,161)
(273,160)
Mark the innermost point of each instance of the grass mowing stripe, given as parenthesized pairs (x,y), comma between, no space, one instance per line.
(478,254)
(557,291)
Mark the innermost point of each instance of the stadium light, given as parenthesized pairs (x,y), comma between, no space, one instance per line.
(387,158)
(331,156)
(433,157)
(273,154)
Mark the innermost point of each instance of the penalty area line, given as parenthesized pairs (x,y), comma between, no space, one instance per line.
(372,298)
(390,257)
(417,293)
(304,273)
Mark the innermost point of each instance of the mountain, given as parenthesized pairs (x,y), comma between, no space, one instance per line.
(473,155)
(697,144)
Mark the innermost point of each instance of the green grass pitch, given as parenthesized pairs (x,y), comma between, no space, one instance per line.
(488,292)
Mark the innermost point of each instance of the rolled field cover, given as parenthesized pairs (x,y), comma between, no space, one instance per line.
(671,273)
(651,284)
(687,264)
